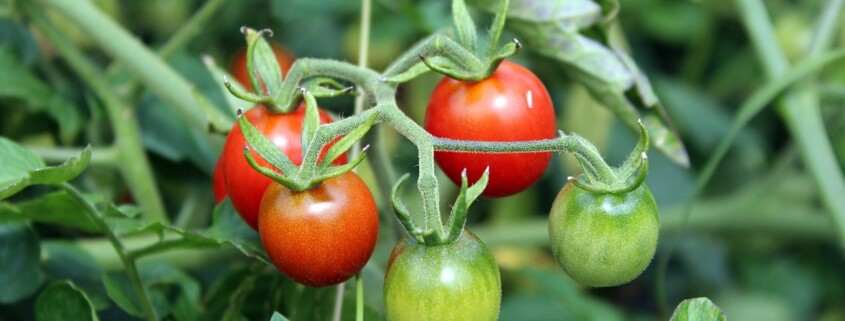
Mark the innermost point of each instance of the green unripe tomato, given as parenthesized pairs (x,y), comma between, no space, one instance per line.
(603,239)
(458,281)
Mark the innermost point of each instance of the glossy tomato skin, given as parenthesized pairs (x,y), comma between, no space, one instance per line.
(218,184)
(450,282)
(603,239)
(239,69)
(244,184)
(511,105)
(323,236)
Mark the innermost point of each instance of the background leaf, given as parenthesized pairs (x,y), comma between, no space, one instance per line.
(698,309)
(19,252)
(64,301)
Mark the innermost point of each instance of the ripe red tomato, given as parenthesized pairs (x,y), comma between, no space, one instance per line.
(240,72)
(323,236)
(219,184)
(244,184)
(511,105)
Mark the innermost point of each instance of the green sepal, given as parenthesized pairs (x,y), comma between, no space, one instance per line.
(22,168)
(276,176)
(346,142)
(262,63)
(634,158)
(467,36)
(324,87)
(245,96)
(401,211)
(496,28)
(312,120)
(334,171)
(458,217)
(264,147)
(232,102)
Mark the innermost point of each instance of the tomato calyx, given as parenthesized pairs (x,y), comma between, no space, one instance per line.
(267,80)
(452,229)
(313,170)
(623,179)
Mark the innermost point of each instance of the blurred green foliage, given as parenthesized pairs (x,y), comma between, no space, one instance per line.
(760,243)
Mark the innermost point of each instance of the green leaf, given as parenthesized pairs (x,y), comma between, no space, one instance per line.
(698,309)
(120,292)
(278,317)
(18,83)
(54,208)
(64,260)
(64,301)
(20,253)
(23,168)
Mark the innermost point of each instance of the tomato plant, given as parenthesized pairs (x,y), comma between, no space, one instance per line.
(603,239)
(238,68)
(510,105)
(244,185)
(322,236)
(457,281)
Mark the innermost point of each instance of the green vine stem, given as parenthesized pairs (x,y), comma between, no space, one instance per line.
(150,69)
(130,154)
(128,260)
(800,107)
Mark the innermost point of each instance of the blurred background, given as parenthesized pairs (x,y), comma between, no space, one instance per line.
(760,241)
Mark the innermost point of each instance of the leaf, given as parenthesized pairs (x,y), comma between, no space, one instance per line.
(18,83)
(551,28)
(232,102)
(698,309)
(23,168)
(54,208)
(278,317)
(20,253)
(64,301)
(64,260)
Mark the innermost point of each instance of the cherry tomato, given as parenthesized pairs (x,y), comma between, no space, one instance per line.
(603,239)
(511,105)
(219,184)
(323,236)
(240,72)
(244,184)
(458,281)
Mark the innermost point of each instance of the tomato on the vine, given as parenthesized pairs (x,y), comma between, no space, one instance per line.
(244,184)
(457,281)
(603,239)
(322,236)
(241,73)
(511,105)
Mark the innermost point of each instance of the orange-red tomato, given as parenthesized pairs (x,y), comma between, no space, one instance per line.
(511,105)
(322,236)
(244,184)
(219,185)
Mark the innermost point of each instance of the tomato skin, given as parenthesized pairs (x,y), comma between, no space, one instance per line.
(323,236)
(603,239)
(494,109)
(239,69)
(244,184)
(458,281)
(218,184)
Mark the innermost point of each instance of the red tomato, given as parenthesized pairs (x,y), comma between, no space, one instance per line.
(322,236)
(244,184)
(511,105)
(240,72)
(219,184)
